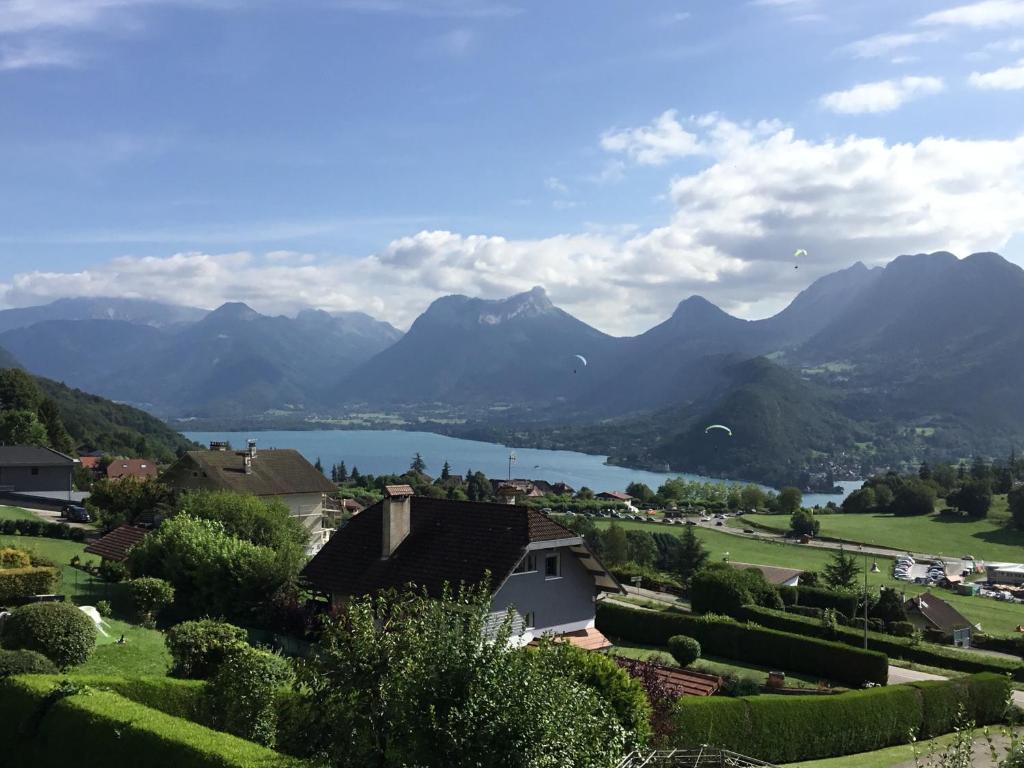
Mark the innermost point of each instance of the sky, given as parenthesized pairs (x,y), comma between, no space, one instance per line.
(376,154)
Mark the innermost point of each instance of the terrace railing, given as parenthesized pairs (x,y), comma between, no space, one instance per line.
(703,757)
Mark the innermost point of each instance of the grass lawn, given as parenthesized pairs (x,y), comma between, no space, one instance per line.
(882,758)
(16,513)
(143,652)
(988,539)
(995,617)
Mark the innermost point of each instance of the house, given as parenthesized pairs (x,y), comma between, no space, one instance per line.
(91,463)
(1005,573)
(780,577)
(541,570)
(115,545)
(618,496)
(523,488)
(142,469)
(926,611)
(283,475)
(28,468)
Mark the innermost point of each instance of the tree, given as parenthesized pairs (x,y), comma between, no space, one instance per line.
(913,499)
(641,547)
(401,679)
(641,492)
(56,433)
(446,471)
(418,465)
(478,487)
(842,571)
(18,391)
(973,497)
(198,648)
(944,476)
(115,502)
(980,469)
(149,596)
(343,472)
(691,556)
(789,500)
(354,476)
(1015,500)
(22,428)
(720,588)
(242,695)
(803,522)
(889,607)
(685,650)
(752,497)
(319,465)
(615,545)
(861,501)
(267,523)
(585,494)
(884,497)
(924,472)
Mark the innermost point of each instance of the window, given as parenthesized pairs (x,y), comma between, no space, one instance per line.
(552,568)
(35,470)
(528,564)
(529,620)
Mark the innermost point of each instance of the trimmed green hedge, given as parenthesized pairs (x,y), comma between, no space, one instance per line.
(42,528)
(177,698)
(895,647)
(17,584)
(820,597)
(753,644)
(104,729)
(783,729)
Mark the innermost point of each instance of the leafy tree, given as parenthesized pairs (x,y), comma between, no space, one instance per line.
(924,472)
(18,391)
(883,498)
(944,476)
(973,497)
(685,650)
(22,428)
(266,522)
(115,502)
(889,607)
(842,571)
(1015,500)
(198,648)
(584,526)
(401,679)
(692,555)
(720,588)
(457,494)
(242,695)
(641,492)
(804,522)
(733,499)
(56,434)
(149,596)
(446,471)
(354,476)
(585,494)
(789,500)
(641,547)
(752,497)
(319,465)
(861,501)
(418,465)
(913,499)
(980,469)
(343,472)
(615,545)
(478,487)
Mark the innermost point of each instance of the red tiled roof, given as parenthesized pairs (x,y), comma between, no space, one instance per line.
(449,542)
(90,462)
(116,544)
(685,682)
(398,490)
(589,639)
(131,468)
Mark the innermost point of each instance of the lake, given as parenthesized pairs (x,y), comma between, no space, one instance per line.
(390,452)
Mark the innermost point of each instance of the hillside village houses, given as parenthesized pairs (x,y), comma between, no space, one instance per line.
(541,570)
(276,474)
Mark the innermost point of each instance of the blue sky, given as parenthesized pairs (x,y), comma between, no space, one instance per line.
(375,154)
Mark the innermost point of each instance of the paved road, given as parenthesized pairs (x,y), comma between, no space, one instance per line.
(899,675)
(661,597)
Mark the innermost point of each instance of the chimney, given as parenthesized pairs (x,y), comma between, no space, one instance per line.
(396,517)
(507,493)
(247,460)
(252,449)
(218,445)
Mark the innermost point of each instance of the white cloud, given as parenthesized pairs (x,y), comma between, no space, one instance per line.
(458,9)
(760,193)
(37,54)
(890,42)
(456,42)
(883,96)
(555,184)
(1002,79)
(655,144)
(988,13)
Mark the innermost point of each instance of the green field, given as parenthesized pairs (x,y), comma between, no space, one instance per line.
(989,539)
(142,653)
(882,758)
(995,617)
(16,513)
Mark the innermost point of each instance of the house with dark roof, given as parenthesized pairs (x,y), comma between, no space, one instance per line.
(780,577)
(541,570)
(280,474)
(926,611)
(29,468)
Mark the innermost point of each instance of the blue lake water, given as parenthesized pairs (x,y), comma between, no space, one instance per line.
(390,451)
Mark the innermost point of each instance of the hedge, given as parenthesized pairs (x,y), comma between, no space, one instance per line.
(782,729)
(820,597)
(753,644)
(895,647)
(42,528)
(104,729)
(174,697)
(17,584)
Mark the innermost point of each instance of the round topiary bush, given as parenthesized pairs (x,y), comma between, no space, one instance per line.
(150,595)
(59,631)
(200,647)
(242,695)
(25,663)
(685,650)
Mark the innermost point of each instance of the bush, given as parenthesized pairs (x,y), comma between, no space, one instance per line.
(751,643)
(806,610)
(16,584)
(896,647)
(14,558)
(113,571)
(685,650)
(723,589)
(199,647)
(820,597)
(25,663)
(733,685)
(150,595)
(109,729)
(59,631)
(243,694)
(41,528)
(782,729)
(901,628)
(103,608)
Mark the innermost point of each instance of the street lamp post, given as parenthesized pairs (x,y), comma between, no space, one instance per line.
(874,569)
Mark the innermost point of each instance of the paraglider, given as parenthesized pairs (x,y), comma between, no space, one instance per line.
(583,360)
(710,427)
(799,253)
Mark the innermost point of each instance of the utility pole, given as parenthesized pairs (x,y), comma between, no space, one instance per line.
(511,461)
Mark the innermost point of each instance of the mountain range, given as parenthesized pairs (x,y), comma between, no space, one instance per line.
(921,357)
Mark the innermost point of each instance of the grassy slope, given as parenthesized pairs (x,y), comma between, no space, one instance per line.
(883,758)
(16,513)
(995,617)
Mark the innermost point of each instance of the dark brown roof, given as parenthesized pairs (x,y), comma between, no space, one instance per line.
(277,472)
(398,490)
(938,612)
(449,542)
(115,545)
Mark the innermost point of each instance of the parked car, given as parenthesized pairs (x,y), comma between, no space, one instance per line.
(76,513)
(748,530)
